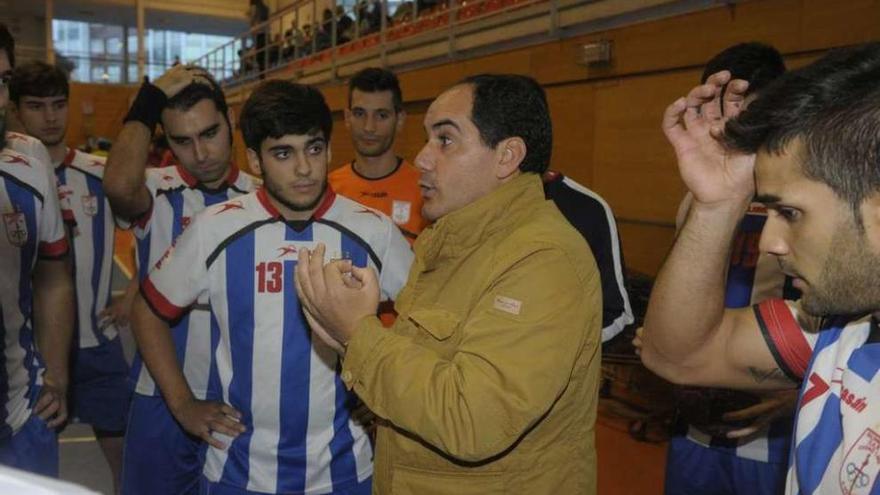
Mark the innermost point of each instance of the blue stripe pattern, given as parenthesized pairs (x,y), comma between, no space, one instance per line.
(817,448)
(96,189)
(240,288)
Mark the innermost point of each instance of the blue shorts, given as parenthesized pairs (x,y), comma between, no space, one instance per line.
(209,488)
(33,448)
(692,468)
(100,393)
(159,457)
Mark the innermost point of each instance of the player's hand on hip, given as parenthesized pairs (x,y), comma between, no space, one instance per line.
(773,406)
(337,295)
(694,125)
(180,76)
(201,418)
(51,405)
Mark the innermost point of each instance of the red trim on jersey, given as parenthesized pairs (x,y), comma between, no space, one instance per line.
(326,203)
(158,302)
(53,249)
(787,335)
(191,181)
(67,215)
(188,179)
(68,159)
(264,200)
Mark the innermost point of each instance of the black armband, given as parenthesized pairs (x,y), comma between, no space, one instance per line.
(147,107)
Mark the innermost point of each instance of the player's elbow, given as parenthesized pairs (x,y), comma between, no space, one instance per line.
(670,370)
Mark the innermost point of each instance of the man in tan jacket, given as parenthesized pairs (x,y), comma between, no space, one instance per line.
(488,379)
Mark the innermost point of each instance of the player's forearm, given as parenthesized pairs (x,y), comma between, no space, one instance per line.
(124,171)
(153,337)
(54,314)
(687,301)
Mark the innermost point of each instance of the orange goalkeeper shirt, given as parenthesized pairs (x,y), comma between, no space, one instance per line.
(396,194)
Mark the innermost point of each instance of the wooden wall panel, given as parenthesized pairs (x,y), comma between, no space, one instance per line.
(96,109)
(644,246)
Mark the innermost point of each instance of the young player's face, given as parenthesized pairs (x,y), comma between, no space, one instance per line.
(816,238)
(44,118)
(373,122)
(456,165)
(294,169)
(200,139)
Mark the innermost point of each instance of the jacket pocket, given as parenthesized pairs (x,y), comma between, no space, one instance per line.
(441,324)
(408,481)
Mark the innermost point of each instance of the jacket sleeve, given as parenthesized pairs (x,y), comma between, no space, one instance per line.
(518,348)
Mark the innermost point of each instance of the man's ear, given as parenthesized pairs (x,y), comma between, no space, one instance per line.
(401,120)
(870,210)
(230,116)
(346,114)
(253,159)
(510,154)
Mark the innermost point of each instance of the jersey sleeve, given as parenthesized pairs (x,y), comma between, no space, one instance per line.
(396,260)
(140,225)
(53,242)
(788,335)
(180,276)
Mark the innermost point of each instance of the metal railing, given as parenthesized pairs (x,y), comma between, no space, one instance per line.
(282,42)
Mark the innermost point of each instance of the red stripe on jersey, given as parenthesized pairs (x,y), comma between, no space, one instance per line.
(787,335)
(53,249)
(326,203)
(164,308)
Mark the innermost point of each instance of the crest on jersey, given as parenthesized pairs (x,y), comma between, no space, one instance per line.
(400,211)
(861,465)
(16,228)
(64,194)
(90,204)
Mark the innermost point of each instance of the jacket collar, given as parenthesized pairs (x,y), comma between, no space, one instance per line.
(459,231)
(192,182)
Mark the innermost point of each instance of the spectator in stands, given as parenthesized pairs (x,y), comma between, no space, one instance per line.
(369,16)
(344,26)
(294,40)
(258,14)
(324,34)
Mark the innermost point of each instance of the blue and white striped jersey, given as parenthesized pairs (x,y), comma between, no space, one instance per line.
(81,189)
(836,446)
(752,277)
(239,257)
(32,228)
(176,198)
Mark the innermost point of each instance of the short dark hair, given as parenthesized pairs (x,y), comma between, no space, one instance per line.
(196,92)
(833,108)
(7,43)
(37,79)
(757,63)
(509,105)
(277,108)
(374,80)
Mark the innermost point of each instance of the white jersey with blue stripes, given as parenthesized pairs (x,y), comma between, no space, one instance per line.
(32,228)
(80,187)
(177,197)
(836,446)
(240,256)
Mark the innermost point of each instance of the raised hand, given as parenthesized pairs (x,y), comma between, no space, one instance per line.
(694,125)
(180,76)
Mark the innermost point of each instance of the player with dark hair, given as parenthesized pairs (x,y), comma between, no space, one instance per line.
(160,457)
(99,390)
(807,150)
(280,417)
(489,377)
(377,177)
(746,454)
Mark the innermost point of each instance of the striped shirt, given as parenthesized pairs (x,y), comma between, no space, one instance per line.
(176,198)
(32,229)
(836,447)
(81,189)
(240,256)
(587,212)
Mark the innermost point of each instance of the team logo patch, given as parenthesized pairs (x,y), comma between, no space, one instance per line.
(64,194)
(400,211)
(508,305)
(16,228)
(90,204)
(861,464)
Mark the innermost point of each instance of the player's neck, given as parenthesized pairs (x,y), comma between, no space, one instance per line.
(219,182)
(375,167)
(295,215)
(57,152)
